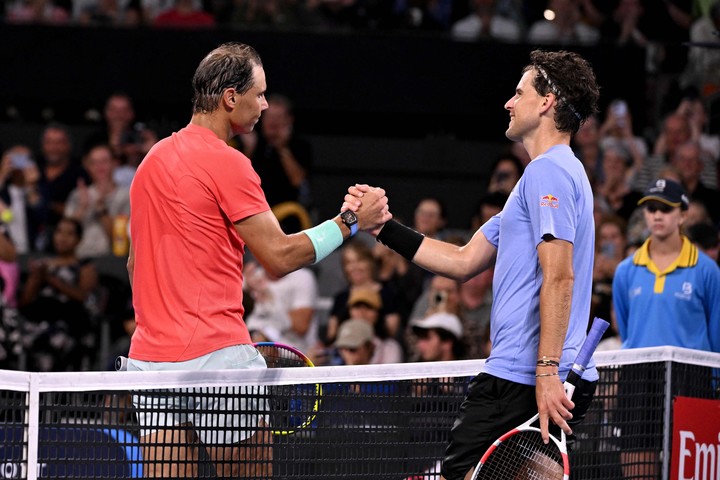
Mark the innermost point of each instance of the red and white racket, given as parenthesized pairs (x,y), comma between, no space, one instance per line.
(521,454)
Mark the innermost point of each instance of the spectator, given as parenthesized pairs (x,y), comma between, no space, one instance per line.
(365,305)
(505,173)
(666,293)
(59,333)
(688,162)
(625,26)
(705,237)
(489,205)
(563,25)
(355,342)
(439,338)
(693,108)
(184,14)
(614,188)
(19,175)
(617,131)
(108,13)
(360,269)
(405,278)
(485,22)
(129,141)
(610,250)
(430,217)
(586,146)
(59,174)
(676,130)
(703,66)
(285,305)
(99,204)
(38,12)
(281,158)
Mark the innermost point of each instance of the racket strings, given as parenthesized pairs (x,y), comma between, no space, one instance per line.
(523,456)
(292,407)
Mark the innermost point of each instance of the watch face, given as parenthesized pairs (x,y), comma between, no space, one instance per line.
(349,217)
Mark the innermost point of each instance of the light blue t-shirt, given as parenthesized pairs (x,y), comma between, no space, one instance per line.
(553,197)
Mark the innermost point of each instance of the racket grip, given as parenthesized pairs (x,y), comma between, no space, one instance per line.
(588,347)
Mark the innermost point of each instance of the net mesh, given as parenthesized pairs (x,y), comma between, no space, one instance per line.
(379,422)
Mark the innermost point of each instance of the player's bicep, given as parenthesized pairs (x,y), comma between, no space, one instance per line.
(555,257)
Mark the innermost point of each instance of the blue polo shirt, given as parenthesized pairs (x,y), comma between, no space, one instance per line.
(553,197)
(679,306)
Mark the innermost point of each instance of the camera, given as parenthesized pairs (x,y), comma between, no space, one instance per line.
(439,298)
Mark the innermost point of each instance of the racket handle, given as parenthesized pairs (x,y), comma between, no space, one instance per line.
(588,347)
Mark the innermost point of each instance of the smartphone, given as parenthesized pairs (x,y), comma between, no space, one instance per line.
(619,110)
(20,161)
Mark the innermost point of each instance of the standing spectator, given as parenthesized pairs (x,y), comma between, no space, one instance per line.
(99,204)
(59,174)
(666,293)
(129,140)
(485,23)
(19,174)
(439,338)
(610,250)
(59,334)
(281,158)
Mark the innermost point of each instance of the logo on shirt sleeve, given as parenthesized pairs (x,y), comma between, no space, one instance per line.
(549,201)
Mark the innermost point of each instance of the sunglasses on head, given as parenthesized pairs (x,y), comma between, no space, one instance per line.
(658,206)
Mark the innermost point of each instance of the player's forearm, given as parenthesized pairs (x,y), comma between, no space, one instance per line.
(555,304)
(444,259)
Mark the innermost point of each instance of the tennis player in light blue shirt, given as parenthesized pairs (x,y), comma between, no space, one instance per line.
(553,199)
(542,248)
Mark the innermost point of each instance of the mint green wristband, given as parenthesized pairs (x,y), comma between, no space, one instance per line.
(325,238)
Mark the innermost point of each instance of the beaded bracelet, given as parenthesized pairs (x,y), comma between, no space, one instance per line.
(547,363)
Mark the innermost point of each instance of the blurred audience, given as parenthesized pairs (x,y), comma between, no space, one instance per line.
(97,205)
(439,338)
(484,22)
(58,333)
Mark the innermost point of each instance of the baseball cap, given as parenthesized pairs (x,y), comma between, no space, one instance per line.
(369,297)
(446,321)
(354,333)
(668,192)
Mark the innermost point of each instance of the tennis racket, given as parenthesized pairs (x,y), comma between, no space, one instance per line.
(521,454)
(292,407)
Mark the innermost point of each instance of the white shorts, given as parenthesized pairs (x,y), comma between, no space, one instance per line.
(220,415)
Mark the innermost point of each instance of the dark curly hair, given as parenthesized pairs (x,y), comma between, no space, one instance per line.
(571,79)
(228,66)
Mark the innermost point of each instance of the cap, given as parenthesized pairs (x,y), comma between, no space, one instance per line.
(369,297)
(446,321)
(354,333)
(668,192)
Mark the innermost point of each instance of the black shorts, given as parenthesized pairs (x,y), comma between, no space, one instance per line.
(492,407)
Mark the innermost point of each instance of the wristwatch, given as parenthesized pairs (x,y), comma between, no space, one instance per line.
(349,218)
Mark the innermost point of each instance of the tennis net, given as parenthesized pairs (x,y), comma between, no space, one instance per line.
(379,422)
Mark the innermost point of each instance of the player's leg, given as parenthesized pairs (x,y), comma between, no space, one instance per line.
(169,453)
(250,458)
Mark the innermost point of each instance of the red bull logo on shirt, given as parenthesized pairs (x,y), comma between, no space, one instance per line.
(549,201)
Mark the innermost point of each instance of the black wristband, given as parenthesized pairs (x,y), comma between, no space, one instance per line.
(400,238)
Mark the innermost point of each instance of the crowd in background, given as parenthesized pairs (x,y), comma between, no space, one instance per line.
(366,304)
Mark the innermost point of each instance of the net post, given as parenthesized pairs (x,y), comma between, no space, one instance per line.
(31,432)
(666,453)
